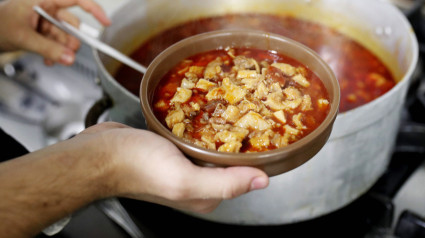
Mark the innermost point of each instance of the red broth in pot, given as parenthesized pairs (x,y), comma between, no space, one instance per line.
(362,76)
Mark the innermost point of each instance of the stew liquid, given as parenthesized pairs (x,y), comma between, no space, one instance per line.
(241,100)
(362,76)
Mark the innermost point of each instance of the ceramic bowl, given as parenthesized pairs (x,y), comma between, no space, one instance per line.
(273,162)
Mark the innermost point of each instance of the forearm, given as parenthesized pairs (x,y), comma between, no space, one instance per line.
(110,159)
(44,186)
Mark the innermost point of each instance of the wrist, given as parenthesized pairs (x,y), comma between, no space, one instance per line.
(91,167)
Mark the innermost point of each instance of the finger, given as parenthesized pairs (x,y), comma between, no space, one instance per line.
(87,5)
(68,17)
(48,48)
(48,62)
(63,38)
(71,42)
(227,183)
(57,35)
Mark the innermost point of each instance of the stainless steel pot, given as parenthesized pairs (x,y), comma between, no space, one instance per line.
(359,148)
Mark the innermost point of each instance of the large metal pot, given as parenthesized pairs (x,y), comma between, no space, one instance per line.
(359,148)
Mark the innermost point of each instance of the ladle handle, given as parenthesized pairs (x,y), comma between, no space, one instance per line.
(115,211)
(93,42)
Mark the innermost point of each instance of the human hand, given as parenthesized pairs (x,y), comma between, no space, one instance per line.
(106,160)
(22,28)
(150,168)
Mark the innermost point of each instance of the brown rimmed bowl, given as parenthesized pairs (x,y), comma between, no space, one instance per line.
(273,162)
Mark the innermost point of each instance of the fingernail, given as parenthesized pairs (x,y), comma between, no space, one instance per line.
(67,58)
(259,183)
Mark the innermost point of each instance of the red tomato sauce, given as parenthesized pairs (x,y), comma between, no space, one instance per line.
(199,124)
(362,76)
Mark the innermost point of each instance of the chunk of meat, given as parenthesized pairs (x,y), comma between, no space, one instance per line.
(297,120)
(261,91)
(280,140)
(293,98)
(253,120)
(233,147)
(246,106)
(195,106)
(215,93)
(243,74)
(219,110)
(231,114)
(285,139)
(241,62)
(234,93)
(213,68)
(280,115)
(230,136)
(323,103)
(161,105)
(221,127)
(275,75)
(174,117)
(262,140)
(290,130)
(212,105)
(187,84)
(208,139)
(205,84)
(182,95)
(301,80)
(275,101)
(287,69)
(251,83)
(178,129)
(265,111)
(275,87)
(198,70)
(306,103)
(292,93)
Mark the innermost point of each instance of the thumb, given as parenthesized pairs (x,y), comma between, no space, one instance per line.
(49,49)
(228,183)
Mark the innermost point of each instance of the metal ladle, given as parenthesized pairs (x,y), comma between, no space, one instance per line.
(93,42)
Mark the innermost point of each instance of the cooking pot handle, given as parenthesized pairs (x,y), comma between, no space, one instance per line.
(98,108)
